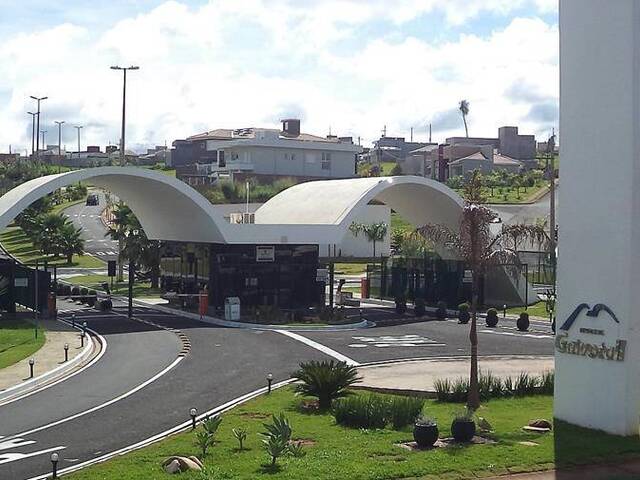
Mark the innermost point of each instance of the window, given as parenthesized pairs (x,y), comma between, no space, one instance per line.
(326,161)
(221,161)
(293,156)
(234,156)
(286,156)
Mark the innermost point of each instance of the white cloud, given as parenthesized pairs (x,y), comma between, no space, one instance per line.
(233,64)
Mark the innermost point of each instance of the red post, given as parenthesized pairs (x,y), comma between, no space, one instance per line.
(364,287)
(204,302)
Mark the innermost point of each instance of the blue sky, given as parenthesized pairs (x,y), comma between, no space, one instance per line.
(349,65)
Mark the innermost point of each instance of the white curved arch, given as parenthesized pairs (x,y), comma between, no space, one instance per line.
(168,209)
(338,202)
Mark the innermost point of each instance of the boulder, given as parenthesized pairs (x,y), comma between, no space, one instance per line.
(541,423)
(172,467)
(181,464)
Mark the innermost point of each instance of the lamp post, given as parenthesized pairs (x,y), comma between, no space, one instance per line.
(31,364)
(269,382)
(124,98)
(193,413)
(82,335)
(66,352)
(54,465)
(504,311)
(38,99)
(78,128)
(59,143)
(84,327)
(33,132)
(73,320)
(43,133)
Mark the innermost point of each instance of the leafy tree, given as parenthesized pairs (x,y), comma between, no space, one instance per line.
(464,111)
(474,243)
(325,380)
(396,170)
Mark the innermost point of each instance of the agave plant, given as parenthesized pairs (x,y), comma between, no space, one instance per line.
(277,438)
(325,380)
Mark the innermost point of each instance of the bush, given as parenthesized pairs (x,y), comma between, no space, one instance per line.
(546,383)
(525,384)
(441,310)
(401,304)
(403,411)
(418,307)
(396,170)
(325,380)
(492,317)
(84,293)
(442,387)
(463,313)
(523,322)
(361,411)
(276,439)
(75,293)
(91,298)
(67,290)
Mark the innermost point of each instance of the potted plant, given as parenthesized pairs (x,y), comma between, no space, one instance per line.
(91,298)
(523,322)
(425,432)
(441,310)
(418,307)
(463,313)
(492,317)
(401,304)
(463,427)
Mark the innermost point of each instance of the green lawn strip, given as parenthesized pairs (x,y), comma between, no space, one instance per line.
(19,245)
(339,452)
(140,289)
(17,341)
(536,310)
(512,195)
(350,268)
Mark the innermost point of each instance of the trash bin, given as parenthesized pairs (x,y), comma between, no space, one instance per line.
(364,287)
(232,308)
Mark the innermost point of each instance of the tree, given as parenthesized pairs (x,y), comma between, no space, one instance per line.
(464,110)
(374,232)
(47,232)
(396,170)
(70,241)
(480,249)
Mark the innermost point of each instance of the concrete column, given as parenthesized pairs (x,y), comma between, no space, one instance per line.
(599,215)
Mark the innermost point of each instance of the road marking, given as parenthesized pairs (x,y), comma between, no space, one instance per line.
(512,334)
(12,457)
(386,341)
(318,346)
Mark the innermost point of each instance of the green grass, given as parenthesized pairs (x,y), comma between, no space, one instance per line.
(339,452)
(140,289)
(512,195)
(17,341)
(350,268)
(19,245)
(536,310)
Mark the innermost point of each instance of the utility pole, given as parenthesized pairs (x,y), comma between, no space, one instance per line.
(59,143)
(411,134)
(38,99)
(124,103)
(43,133)
(33,132)
(78,128)
(429,132)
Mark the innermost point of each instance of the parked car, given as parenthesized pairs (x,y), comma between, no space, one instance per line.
(93,199)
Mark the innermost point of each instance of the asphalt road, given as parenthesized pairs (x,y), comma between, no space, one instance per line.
(526,213)
(88,219)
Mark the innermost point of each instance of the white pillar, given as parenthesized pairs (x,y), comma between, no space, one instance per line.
(599,214)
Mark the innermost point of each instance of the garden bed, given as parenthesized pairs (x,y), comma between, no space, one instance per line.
(333,451)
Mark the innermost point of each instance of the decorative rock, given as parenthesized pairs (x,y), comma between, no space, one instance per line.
(541,423)
(181,464)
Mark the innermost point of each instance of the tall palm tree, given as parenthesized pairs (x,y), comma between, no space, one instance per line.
(118,229)
(464,110)
(374,232)
(70,241)
(480,249)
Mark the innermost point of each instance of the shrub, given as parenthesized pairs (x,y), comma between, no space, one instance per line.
(276,439)
(203,441)
(463,313)
(325,380)
(546,383)
(441,310)
(523,322)
(75,293)
(84,293)
(401,304)
(361,411)
(418,307)
(492,317)
(525,384)
(241,435)
(296,449)
(396,170)
(442,387)
(459,390)
(403,411)
(211,425)
(91,298)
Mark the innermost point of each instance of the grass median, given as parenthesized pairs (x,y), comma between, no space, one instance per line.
(140,289)
(17,341)
(334,452)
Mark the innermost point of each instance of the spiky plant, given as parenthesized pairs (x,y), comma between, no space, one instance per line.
(478,247)
(325,380)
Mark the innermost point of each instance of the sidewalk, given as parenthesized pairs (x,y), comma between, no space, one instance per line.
(418,376)
(623,471)
(50,356)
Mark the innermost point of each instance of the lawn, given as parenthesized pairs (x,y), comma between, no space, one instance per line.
(17,341)
(511,195)
(335,452)
(140,289)
(538,309)
(350,268)
(19,245)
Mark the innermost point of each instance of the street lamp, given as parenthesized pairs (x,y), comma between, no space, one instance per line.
(31,363)
(269,381)
(193,412)
(33,132)
(84,327)
(82,335)
(504,311)
(38,99)
(54,465)
(78,128)
(66,352)
(59,142)
(73,320)
(131,233)
(43,133)
(124,98)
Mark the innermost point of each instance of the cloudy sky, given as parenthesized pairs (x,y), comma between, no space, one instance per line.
(352,66)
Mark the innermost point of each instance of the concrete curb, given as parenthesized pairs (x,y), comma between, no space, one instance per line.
(250,326)
(55,374)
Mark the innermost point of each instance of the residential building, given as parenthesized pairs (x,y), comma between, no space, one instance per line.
(263,153)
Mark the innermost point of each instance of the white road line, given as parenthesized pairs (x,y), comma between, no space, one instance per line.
(510,334)
(318,346)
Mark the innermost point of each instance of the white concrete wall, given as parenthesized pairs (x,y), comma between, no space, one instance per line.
(599,207)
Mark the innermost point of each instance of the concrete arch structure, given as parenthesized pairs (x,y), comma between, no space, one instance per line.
(168,209)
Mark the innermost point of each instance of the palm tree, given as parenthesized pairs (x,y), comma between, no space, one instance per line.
(464,110)
(70,241)
(374,232)
(480,249)
(118,229)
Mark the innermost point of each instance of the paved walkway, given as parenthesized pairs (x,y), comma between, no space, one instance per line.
(623,471)
(50,356)
(420,375)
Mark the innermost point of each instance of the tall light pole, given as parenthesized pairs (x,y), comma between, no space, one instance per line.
(43,133)
(59,142)
(38,99)
(33,132)
(124,98)
(78,128)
